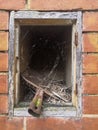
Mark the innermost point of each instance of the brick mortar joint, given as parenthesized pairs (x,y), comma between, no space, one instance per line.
(28,3)
(90,115)
(25,124)
(93,95)
(4,73)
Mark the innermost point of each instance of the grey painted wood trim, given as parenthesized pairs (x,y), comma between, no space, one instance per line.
(11,64)
(45,15)
(79,64)
(49,112)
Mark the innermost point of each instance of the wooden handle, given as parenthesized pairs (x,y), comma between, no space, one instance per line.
(36,104)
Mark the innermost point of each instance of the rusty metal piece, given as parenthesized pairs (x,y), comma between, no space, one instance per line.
(76,39)
(36,104)
(76,90)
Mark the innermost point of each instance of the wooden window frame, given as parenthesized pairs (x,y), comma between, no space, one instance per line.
(70,18)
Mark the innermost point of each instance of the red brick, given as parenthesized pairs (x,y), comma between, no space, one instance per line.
(90,104)
(90,42)
(90,84)
(63,4)
(4,18)
(89,123)
(3,41)
(12,4)
(3,84)
(3,104)
(3,61)
(11,124)
(90,63)
(53,124)
(15,124)
(3,123)
(90,21)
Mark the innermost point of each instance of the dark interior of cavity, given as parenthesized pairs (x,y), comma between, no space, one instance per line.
(40,48)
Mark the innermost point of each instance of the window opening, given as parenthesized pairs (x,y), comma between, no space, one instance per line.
(44,54)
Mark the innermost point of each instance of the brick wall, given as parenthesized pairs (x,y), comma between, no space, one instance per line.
(89,119)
